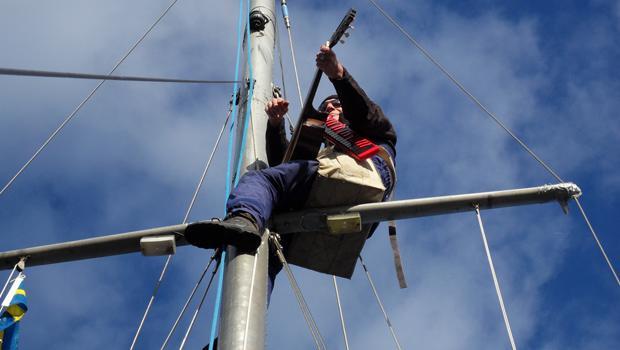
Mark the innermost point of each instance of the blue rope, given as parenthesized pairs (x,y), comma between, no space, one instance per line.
(234,99)
(248,110)
(218,298)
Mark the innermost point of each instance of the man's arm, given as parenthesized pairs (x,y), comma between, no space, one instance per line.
(365,117)
(275,135)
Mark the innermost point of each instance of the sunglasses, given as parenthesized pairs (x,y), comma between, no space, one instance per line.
(335,102)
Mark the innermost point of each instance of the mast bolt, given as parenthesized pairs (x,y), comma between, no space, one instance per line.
(257,21)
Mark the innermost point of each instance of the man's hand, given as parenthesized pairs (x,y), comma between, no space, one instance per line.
(276,109)
(327,61)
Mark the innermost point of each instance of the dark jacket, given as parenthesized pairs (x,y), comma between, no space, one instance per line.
(364,116)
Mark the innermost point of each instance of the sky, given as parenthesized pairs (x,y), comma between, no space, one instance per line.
(133,155)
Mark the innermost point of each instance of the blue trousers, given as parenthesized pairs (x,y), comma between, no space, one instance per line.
(280,188)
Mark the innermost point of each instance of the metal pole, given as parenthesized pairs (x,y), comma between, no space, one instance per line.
(315,219)
(244,299)
(309,220)
(96,247)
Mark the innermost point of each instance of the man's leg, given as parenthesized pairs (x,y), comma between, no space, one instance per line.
(282,187)
(252,202)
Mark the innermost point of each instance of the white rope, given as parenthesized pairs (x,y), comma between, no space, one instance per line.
(495,281)
(598,242)
(6,300)
(19,266)
(72,114)
(342,324)
(8,280)
(385,315)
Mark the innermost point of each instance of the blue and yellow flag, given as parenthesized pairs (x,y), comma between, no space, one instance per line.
(9,321)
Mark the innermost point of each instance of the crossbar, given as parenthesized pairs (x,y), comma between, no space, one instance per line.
(117,244)
(313,220)
(304,221)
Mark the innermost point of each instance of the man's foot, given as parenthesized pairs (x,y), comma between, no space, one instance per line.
(238,231)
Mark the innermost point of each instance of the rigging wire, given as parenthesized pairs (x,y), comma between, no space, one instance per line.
(204,295)
(495,118)
(208,165)
(284,93)
(303,305)
(249,121)
(385,315)
(280,61)
(495,281)
(255,159)
(464,90)
(236,90)
(248,111)
(287,22)
(189,209)
(85,100)
(229,161)
(51,74)
(191,296)
(150,303)
(218,301)
(344,328)
(598,242)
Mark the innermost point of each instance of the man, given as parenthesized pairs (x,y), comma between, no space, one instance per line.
(299,183)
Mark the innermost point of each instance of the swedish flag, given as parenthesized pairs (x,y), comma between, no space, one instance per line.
(9,321)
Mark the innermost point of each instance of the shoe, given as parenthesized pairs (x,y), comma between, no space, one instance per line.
(237,231)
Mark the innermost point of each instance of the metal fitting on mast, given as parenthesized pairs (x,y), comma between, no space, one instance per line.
(258,20)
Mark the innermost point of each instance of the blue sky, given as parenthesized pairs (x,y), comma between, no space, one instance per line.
(132,156)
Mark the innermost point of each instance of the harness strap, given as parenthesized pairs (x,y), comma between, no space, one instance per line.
(398,264)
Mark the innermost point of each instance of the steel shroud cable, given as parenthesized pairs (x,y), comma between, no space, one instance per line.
(85,100)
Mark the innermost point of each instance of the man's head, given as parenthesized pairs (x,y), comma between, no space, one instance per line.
(331,105)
